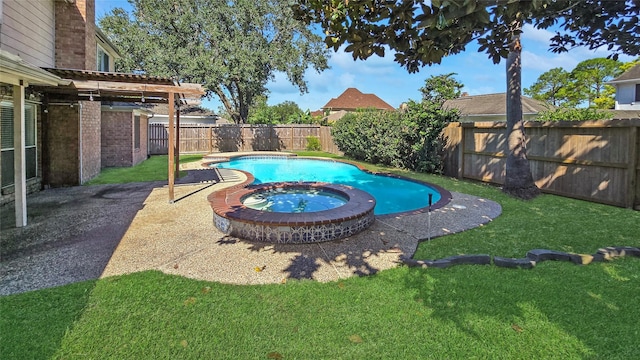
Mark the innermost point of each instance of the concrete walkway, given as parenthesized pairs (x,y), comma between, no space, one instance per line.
(89,232)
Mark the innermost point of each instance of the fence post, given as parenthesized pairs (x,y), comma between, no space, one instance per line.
(632,167)
(210,133)
(461,153)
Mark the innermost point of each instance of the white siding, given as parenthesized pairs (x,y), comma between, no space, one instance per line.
(625,97)
(28,30)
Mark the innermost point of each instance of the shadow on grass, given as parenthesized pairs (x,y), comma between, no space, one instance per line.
(585,311)
(34,324)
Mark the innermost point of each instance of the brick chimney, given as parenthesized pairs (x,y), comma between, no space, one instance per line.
(75,34)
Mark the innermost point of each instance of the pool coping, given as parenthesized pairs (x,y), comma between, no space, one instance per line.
(445,195)
(228,204)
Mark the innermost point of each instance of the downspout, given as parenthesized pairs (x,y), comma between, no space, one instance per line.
(149,140)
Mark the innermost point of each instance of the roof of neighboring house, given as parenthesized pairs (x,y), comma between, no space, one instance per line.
(625,114)
(629,75)
(353,99)
(336,115)
(492,104)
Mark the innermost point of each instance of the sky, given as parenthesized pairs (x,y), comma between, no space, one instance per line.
(391,82)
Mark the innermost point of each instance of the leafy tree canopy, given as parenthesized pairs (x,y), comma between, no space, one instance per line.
(287,112)
(554,87)
(591,75)
(233,47)
(585,83)
(439,88)
(423,32)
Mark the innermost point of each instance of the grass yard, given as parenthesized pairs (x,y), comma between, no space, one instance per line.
(556,310)
(154,168)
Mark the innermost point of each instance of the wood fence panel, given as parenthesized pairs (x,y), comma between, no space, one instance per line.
(593,160)
(158,139)
(326,141)
(232,137)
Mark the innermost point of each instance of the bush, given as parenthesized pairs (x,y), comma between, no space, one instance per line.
(313,144)
(409,139)
(574,114)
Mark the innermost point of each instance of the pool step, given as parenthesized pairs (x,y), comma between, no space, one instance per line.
(228,175)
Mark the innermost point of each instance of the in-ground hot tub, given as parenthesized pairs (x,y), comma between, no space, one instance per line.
(305,212)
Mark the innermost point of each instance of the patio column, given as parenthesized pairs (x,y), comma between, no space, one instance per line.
(171,142)
(177,141)
(19,162)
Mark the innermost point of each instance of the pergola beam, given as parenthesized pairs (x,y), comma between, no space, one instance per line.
(93,85)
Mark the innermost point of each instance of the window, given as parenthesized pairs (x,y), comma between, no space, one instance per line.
(136,132)
(102,59)
(637,92)
(8,153)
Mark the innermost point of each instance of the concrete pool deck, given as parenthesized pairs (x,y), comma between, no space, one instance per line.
(90,232)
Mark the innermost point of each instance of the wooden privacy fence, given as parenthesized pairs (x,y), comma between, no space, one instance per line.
(232,137)
(592,160)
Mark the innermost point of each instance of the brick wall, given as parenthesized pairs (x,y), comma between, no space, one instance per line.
(62,145)
(117,138)
(75,35)
(91,139)
(140,154)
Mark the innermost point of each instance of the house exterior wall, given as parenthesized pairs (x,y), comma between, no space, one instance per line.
(140,154)
(28,30)
(90,140)
(117,138)
(75,40)
(62,145)
(625,97)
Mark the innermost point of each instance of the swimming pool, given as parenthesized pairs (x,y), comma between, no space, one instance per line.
(392,194)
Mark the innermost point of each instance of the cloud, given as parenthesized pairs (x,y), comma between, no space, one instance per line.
(538,36)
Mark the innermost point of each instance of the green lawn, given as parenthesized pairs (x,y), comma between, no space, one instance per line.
(154,168)
(556,310)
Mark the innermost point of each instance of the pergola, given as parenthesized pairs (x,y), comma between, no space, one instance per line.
(84,85)
(135,88)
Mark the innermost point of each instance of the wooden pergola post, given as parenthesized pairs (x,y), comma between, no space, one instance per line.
(171,148)
(178,141)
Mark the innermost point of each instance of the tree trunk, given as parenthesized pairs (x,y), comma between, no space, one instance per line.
(518,180)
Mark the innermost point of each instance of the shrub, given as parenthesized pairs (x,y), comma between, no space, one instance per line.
(574,114)
(313,143)
(409,139)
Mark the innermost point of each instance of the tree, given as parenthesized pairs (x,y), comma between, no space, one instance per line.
(423,32)
(554,87)
(591,75)
(440,88)
(287,112)
(233,48)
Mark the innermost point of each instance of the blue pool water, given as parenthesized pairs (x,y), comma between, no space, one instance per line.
(294,200)
(392,195)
